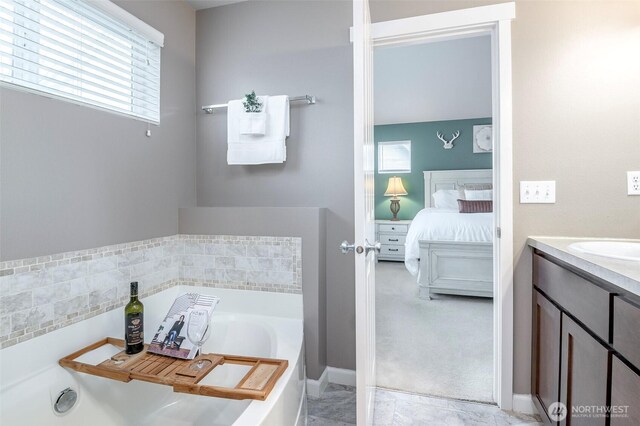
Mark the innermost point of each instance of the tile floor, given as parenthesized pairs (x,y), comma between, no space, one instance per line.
(337,407)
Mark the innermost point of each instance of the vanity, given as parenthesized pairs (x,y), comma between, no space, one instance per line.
(585,336)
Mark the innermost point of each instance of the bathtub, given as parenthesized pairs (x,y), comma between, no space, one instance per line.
(244,323)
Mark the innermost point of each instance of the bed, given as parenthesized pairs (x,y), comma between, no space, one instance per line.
(451,252)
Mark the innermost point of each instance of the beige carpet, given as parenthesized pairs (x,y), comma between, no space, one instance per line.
(442,347)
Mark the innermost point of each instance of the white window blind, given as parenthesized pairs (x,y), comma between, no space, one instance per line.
(75,50)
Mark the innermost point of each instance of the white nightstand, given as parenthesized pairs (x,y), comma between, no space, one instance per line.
(392,234)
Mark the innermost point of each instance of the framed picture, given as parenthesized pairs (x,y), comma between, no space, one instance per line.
(482,138)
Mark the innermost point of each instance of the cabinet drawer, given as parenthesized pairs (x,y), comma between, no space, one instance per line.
(387,227)
(392,251)
(583,299)
(626,329)
(392,239)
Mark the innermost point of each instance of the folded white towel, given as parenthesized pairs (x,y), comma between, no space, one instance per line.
(255,123)
(258,149)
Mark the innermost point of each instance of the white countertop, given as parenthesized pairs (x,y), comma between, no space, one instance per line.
(623,273)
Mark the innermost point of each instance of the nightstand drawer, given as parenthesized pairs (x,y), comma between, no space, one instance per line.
(392,239)
(385,227)
(392,251)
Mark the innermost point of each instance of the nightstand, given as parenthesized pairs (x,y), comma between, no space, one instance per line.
(392,234)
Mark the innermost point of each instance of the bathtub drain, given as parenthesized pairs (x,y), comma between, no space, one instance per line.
(65,401)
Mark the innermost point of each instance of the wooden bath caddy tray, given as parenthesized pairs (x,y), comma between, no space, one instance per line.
(163,370)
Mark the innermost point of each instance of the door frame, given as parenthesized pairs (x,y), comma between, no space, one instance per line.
(493,20)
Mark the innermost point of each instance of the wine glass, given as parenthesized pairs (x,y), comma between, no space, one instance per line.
(198,331)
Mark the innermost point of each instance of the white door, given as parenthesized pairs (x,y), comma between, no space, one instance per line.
(364,211)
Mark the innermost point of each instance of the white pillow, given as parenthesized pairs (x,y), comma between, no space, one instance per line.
(446,199)
(478,194)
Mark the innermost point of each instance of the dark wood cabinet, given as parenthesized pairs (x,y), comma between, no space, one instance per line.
(585,346)
(626,328)
(584,370)
(585,300)
(545,380)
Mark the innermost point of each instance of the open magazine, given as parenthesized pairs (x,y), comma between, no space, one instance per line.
(171,338)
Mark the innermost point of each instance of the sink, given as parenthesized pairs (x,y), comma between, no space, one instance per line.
(613,249)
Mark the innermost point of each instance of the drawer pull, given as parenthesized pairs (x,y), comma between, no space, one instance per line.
(393,239)
(393,249)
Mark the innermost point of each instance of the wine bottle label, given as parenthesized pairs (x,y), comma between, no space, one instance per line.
(135,329)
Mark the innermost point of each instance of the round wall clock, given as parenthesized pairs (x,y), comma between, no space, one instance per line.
(482,138)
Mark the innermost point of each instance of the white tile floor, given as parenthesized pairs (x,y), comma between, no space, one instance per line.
(337,407)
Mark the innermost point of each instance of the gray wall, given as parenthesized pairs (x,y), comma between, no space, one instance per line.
(306,223)
(72,177)
(576,105)
(291,48)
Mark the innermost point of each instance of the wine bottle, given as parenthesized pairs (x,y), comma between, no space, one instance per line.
(134,322)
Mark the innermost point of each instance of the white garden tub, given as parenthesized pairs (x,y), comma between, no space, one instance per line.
(244,323)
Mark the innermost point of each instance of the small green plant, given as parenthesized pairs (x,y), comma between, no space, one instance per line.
(251,102)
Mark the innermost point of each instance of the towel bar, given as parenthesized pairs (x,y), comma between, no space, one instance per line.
(209,109)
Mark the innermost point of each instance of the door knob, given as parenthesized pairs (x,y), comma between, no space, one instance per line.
(345,248)
(375,246)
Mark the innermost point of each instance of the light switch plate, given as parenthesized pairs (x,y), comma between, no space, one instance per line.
(633,183)
(538,192)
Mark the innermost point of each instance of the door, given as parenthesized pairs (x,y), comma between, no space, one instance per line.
(363,210)
(545,382)
(625,388)
(583,374)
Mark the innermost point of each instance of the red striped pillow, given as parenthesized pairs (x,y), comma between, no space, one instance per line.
(475,206)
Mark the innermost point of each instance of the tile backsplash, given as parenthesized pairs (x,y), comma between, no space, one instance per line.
(42,294)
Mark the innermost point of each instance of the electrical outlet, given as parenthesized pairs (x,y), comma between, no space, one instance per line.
(633,183)
(538,192)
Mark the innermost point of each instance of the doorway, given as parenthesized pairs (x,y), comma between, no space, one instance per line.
(434,277)
(494,21)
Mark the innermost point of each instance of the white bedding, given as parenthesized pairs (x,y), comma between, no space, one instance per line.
(445,225)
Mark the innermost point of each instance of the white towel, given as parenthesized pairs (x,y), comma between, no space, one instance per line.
(255,123)
(258,149)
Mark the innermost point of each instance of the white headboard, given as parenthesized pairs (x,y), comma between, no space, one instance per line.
(454,179)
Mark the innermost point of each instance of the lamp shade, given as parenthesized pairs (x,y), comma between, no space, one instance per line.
(395,187)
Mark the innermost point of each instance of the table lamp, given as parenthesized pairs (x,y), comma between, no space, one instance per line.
(394,189)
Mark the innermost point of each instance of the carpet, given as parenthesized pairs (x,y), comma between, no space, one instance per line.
(441,347)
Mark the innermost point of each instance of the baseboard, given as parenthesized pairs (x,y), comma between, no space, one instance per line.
(315,388)
(523,403)
(342,376)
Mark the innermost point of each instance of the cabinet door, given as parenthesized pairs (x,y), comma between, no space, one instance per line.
(545,380)
(625,394)
(583,375)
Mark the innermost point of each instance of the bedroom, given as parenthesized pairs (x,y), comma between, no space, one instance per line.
(434,306)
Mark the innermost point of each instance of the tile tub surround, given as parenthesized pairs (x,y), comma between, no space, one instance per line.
(40,295)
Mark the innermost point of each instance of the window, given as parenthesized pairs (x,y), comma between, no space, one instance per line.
(394,157)
(79,51)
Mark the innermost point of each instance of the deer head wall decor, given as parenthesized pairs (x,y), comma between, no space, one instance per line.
(448,144)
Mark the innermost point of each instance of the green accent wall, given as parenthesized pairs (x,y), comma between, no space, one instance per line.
(427,153)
